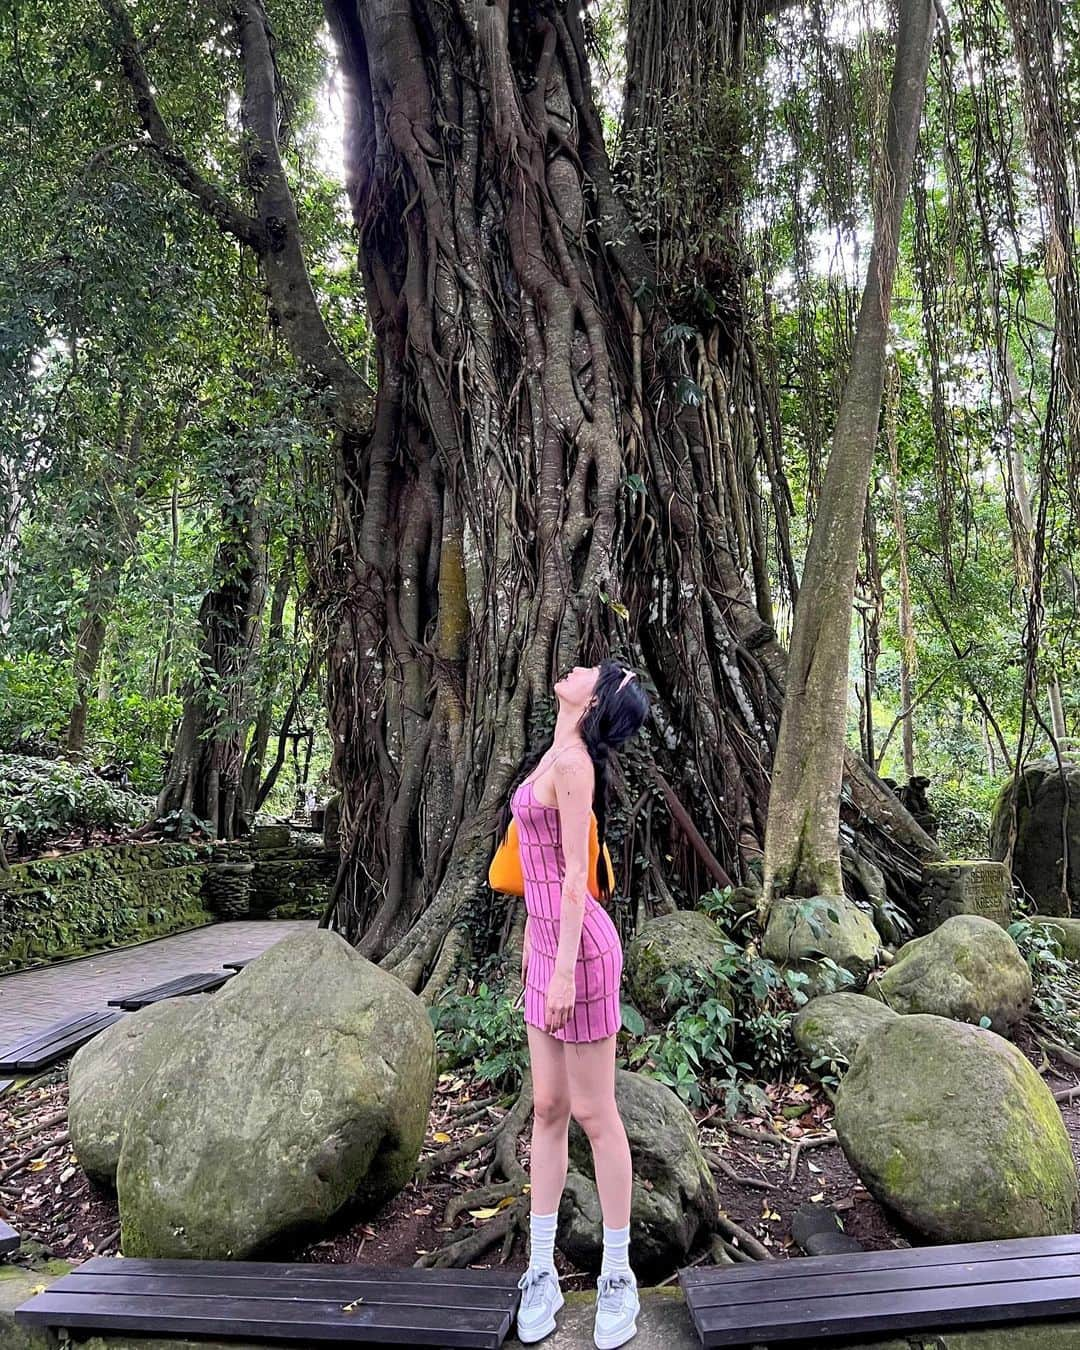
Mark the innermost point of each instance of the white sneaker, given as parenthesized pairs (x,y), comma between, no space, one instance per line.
(617,1307)
(541,1299)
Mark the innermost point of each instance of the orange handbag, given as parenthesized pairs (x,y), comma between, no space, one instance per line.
(505,874)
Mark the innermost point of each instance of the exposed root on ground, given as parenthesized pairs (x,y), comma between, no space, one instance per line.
(507,1195)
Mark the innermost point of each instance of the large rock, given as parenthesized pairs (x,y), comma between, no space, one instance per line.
(307,1080)
(674,1196)
(685,942)
(834,1026)
(952,1128)
(107,1074)
(967,969)
(1066,932)
(799,932)
(1047,796)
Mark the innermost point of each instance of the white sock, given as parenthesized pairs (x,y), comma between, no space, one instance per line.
(616,1251)
(542,1240)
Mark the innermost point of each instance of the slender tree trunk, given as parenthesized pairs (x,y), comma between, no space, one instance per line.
(205,774)
(907,618)
(802,854)
(89,642)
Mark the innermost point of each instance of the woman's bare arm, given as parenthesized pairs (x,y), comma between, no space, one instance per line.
(574,777)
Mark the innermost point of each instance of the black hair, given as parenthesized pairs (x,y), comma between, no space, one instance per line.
(610,718)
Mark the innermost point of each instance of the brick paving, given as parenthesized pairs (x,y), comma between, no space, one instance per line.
(31,999)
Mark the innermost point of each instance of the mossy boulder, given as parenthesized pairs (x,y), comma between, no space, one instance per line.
(799,932)
(1065,931)
(1047,796)
(304,1083)
(967,969)
(107,1074)
(686,942)
(835,1025)
(952,1128)
(673,1200)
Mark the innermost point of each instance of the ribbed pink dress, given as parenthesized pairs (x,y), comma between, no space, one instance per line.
(598,970)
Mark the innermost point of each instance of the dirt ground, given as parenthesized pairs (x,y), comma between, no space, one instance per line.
(47,1198)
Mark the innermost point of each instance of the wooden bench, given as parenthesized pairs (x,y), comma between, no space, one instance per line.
(814,1298)
(9,1239)
(55,1041)
(272,1301)
(200,983)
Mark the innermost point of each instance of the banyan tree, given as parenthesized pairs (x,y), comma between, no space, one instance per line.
(571,446)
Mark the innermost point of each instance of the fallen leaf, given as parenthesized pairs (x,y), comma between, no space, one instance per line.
(484,1213)
(424,1209)
(352,1307)
(37,1165)
(441,1137)
(820,1196)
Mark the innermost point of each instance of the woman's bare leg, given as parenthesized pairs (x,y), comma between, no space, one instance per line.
(551,1121)
(590,1069)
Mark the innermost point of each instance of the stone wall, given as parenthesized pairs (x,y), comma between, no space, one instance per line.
(53,908)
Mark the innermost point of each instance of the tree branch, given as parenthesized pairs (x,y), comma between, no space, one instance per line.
(211,198)
(287,276)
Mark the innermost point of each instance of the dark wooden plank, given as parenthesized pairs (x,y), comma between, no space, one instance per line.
(9,1239)
(238,965)
(912,1310)
(55,1042)
(691,1277)
(444,1294)
(277,1319)
(846,1284)
(5,1083)
(45,1035)
(282,1270)
(198,983)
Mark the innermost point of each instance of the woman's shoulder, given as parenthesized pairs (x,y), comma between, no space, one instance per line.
(574,766)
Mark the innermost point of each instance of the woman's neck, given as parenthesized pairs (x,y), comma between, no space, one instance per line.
(567,732)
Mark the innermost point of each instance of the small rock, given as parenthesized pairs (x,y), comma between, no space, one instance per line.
(835,1025)
(800,931)
(967,969)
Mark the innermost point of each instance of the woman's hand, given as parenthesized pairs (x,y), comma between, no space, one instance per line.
(561,995)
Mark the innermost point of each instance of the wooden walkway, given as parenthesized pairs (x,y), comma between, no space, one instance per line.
(32,999)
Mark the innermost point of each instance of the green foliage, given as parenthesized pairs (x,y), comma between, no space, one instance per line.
(42,799)
(963,810)
(1055,1004)
(484,1031)
(36,693)
(731,1024)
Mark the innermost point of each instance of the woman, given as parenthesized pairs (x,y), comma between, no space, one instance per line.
(571,969)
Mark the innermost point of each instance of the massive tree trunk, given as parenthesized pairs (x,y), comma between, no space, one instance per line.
(560,459)
(572,448)
(802,853)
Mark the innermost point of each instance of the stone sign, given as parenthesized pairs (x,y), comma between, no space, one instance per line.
(983,888)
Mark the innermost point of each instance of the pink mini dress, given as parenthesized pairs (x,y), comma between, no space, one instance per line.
(598,969)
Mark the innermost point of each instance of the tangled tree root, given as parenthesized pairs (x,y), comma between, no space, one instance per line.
(465,1246)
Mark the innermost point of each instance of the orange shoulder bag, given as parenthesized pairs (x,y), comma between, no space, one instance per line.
(505,873)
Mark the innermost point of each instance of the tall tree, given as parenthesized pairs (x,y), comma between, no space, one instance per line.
(802,850)
(547,468)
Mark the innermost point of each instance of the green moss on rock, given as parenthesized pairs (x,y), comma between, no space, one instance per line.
(109,896)
(951,1126)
